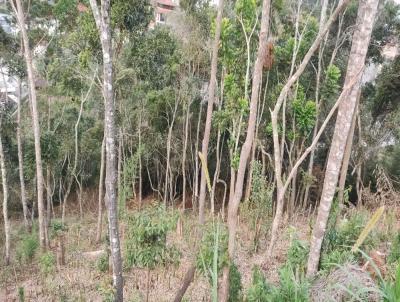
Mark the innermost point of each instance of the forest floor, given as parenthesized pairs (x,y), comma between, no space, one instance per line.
(81,280)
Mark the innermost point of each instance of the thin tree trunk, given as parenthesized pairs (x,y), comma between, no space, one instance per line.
(210,105)
(196,161)
(140,161)
(101,192)
(18,9)
(246,148)
(361,37)
(102,19)
(274,120)
(184,151)
(5,200)
(27,222)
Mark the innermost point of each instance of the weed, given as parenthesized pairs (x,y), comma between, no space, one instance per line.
(146,240)
(27,247)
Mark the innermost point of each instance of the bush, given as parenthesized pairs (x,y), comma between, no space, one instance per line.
(47,263)
(259,206)
(259,290)
(298,255)
(146,240)
(27,247)
(235,284)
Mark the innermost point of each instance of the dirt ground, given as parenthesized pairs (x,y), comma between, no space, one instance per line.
(80,280)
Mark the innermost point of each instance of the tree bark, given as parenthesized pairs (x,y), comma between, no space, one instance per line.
(346,156)
(18,9)
(5,200)
(210,106)
(366,16)
(274,120)
(103,23)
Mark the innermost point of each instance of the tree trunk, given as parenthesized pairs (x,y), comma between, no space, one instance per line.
(274,120)
(361,37)
(101,192)
(5,200)
(346,156)
(246,148)
(27,222)
(210,105)
(184,151)
(102,19)
(18,9)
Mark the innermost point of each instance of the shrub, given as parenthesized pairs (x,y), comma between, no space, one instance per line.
(293,287)
(47,263)
(146,240)
(235,284)
(259,206)
(27,247)
(297,255)
(259,290)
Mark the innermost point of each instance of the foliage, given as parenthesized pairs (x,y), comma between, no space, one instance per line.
(235,284)
(336,257)
(394,254)
(47,263)
(21,294)
(298,255)
(146,240)
(331,84)
(304,112)
(102,263)
(292,287)
(258,208)
(27,247)
(259,290)
(391,289)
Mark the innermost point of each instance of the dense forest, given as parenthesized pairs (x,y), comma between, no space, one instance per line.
(166,150)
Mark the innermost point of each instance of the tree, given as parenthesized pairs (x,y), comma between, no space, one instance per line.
(361,37)
(246,148)
(210,106)
(19,12)
(102,18)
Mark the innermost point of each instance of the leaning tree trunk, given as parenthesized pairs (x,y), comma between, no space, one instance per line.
(246,148)
(18,9)
(281,188)
(210,106)
(366,16)
(21,159)
(103,23)
(5,201)
(347,155)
